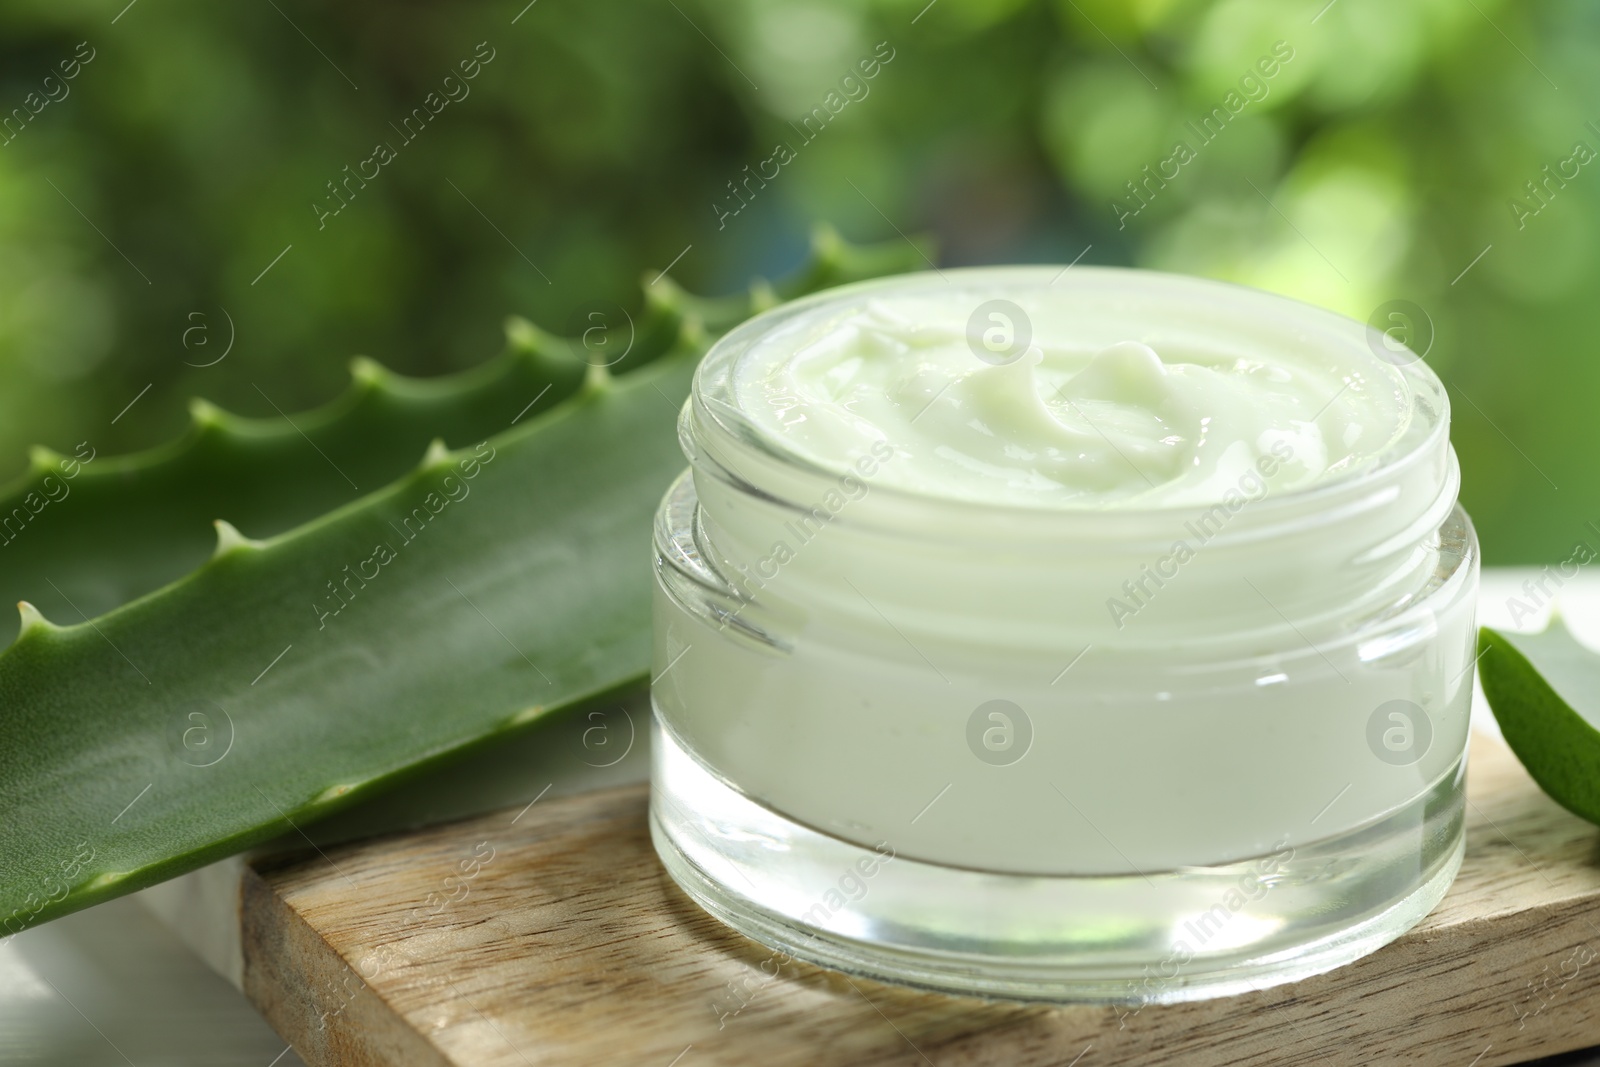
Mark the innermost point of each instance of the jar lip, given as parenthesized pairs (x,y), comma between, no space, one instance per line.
(712,420)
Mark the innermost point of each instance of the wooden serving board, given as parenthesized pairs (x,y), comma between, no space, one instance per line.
(552,936)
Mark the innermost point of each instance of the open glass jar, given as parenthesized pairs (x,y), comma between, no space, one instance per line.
(1045,753)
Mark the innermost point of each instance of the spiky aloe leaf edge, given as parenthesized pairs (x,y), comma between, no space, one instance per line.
(491,587)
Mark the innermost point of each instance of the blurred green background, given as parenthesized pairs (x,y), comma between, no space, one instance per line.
(142,199)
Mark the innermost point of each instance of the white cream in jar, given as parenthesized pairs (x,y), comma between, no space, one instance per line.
(1062,424)
(1061,579)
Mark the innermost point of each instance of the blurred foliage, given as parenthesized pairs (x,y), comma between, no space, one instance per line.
(601,139)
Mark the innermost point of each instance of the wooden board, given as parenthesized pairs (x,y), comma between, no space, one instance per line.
(552,936)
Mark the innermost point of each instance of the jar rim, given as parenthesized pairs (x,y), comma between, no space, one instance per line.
(713,427)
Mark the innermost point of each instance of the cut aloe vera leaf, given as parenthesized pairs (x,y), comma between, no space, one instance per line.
(1544,689)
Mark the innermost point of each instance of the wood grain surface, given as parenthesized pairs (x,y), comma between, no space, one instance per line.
(552,936)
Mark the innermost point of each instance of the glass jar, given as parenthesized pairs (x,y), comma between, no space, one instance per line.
(1048,754)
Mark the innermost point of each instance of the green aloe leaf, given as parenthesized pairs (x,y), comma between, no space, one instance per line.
(1544,689)
(491,587)
(79,539)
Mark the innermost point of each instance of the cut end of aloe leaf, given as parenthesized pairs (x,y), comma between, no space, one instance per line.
(1544,690)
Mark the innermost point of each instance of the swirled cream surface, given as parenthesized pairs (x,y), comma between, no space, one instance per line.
(1040,401)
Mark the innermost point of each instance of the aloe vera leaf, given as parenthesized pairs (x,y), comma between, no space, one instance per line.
(1544,690)
(236,704)
(527,593)
(123,526)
